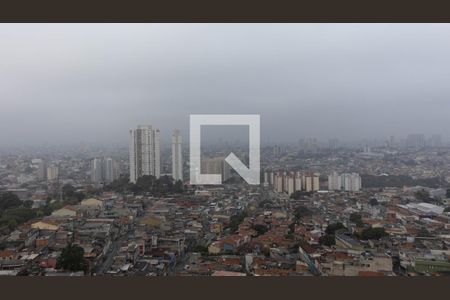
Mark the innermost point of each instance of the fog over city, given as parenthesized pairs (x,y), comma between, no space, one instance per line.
(91,83)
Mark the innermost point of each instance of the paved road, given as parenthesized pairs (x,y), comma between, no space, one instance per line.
(104,267)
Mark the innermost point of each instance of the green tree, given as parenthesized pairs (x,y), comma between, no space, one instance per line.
(178,187)
(373,201)
(120,185)
(422,195)
(235,220)
(147,184)
(68,190)
(9,200)
(327,240)
(356,218)
(70,195)
(373,181)
(299,194)
(289,236)
(203,250)
(28,203)
(72,259)
(302,211)
(15,216)
(373,233)
(12,224)
(260,229)
(264,203)
(332,228)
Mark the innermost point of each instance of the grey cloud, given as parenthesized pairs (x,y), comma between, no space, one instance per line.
(63,83)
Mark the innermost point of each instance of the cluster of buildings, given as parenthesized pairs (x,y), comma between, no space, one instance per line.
(145,153)
(34,246)
(420,141)
(237,230)
(350,182)
(290,182)
(44,171)
(234,229)
(125,234)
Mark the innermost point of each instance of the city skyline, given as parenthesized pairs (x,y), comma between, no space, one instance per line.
(224,150)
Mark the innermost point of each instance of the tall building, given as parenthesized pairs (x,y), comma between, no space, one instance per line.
(285,182)
(309,144)
(269,178)
(278,182)
(298,181)
(392,141)
(145,158)
(333,144)
(351,182)
(415,141)
(308,183)
(216,165)
(177,158)
(42,170)
(96,170)
(334,182)
(104,170)
(52,173)
(435,141)
(290,184)
(110,170)
(315,182)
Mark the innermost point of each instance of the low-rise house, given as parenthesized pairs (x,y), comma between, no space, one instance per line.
(92,202)
(66,211)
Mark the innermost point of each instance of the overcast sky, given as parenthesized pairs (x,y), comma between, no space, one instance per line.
(91,83)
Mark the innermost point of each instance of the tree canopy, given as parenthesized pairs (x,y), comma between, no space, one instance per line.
(372,181)
(235,220)
(70,195)
(373,233)
(299,194)
(332,228)
(422,195)
(72,259)
(260,229)
(302,211)
(147,184)
(327,240)
(9,200)
(356,218)
(13,211)
(373,201)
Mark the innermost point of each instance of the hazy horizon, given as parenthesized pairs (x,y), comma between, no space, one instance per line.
(92,83)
